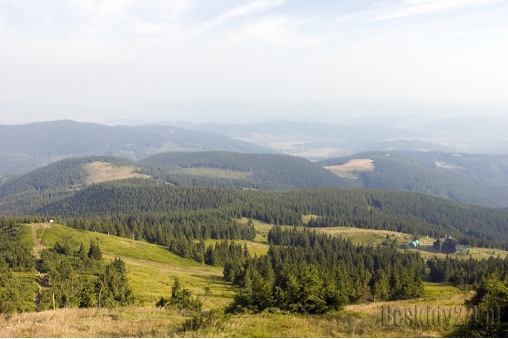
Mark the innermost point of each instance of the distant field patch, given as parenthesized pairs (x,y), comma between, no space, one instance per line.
(103,171)
(212,172)
(364,235)
(346,169)
(445,165)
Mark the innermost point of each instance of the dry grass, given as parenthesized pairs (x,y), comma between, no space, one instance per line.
(103,171)
(346,170)
(357,321)
(213,172)
(363,235)
(90,323)
(427,251)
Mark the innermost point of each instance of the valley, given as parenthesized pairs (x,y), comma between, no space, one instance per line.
(217,243)
(151,270)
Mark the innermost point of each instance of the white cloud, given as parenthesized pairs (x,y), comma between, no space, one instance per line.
(279,31)
(255,6)
(408,8)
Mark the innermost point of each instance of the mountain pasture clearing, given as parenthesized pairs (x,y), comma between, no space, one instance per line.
(103,171)
(347,170)
(212,172)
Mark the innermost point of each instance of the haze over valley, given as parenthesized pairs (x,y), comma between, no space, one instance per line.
(253,168)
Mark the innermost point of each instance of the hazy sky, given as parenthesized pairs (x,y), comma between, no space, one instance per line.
(259,53)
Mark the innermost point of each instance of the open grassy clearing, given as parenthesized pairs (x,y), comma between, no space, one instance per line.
(103,171)
(212,172)
(346,170)
(427,251)
(376,237)
(364,236)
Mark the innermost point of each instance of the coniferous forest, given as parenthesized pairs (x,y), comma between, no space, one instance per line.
(303,272)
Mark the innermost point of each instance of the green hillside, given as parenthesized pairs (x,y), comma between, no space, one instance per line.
(52,182)
(473,179)
(239,170)
(151,273)
(153,205)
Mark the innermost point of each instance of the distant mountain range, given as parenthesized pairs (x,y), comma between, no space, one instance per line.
(26,147)
(318,140)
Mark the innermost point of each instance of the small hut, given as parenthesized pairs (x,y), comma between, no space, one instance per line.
(414,244)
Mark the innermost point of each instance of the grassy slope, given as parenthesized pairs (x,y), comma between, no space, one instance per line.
(102,171)
(212,172)
(151,270)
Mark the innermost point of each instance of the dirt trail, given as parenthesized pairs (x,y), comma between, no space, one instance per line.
(38,247)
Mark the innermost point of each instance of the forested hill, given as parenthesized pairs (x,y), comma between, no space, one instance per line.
(61,175)
(467,178)
(239,170)
(152,203)
(61,179)
(58,180)
(26,147)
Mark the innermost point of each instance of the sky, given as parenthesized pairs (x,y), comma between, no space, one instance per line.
(89,60)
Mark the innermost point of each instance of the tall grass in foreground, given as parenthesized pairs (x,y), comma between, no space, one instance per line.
(158,322)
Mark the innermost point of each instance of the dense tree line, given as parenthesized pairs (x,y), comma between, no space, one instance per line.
(162,228)
(223,253)
(471,271)
(406,212)
(308,272)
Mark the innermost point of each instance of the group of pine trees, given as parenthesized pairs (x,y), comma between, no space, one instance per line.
(466,272)
(308,272)
(79,278)
(16,290)
(218,254)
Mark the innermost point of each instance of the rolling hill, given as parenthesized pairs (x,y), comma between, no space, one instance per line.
(26,147)
(154,205)
(227,169)
(467,178)
(56,181)
(152,269)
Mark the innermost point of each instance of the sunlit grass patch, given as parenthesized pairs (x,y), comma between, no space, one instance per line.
(212,172)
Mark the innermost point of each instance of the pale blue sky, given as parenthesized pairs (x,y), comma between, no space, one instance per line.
(264,53)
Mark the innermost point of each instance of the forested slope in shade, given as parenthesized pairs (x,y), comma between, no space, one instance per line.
(467,178)
(259,171)
(406,212)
